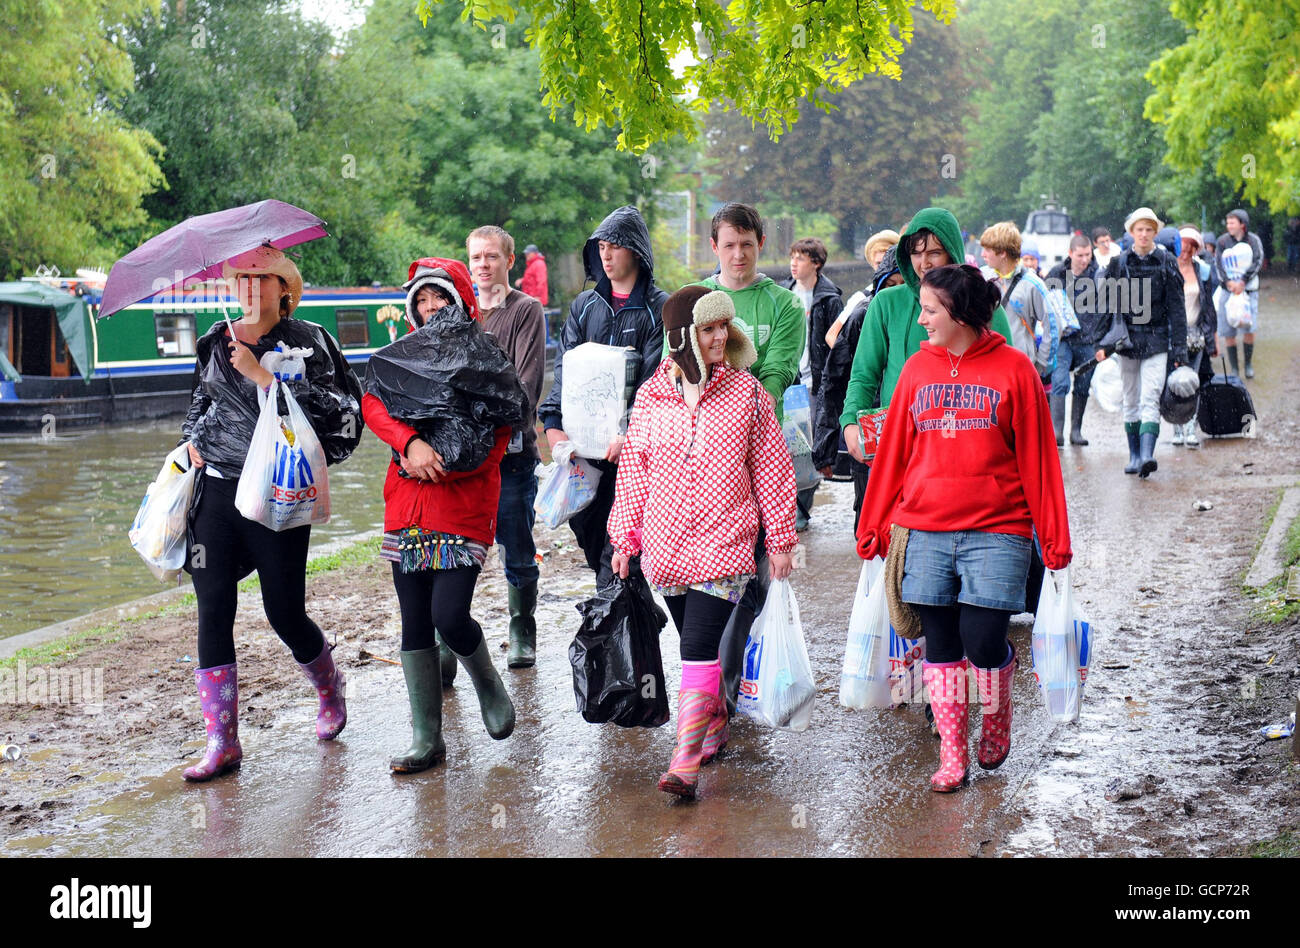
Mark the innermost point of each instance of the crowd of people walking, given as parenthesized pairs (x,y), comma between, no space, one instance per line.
(941,385)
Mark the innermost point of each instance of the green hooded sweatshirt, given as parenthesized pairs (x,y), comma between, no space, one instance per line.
(776,324)
(890,332)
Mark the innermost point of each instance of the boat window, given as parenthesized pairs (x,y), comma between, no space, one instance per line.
(6,316)
(353,330)
(176,334)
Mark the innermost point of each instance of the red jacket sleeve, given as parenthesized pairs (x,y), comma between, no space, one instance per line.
(396,434)
(1039,464)
(885,486)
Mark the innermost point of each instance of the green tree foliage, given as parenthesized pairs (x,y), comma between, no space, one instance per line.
(612,60)
(1229,96)
(884,152)
(1061,113)
(486,149)
(1015,47)
(1093,148)
(253,101)
(72,173)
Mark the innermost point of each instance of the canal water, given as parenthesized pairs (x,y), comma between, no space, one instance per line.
(66,504)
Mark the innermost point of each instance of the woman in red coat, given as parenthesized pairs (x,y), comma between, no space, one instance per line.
(703,466)
(440,513)
(967,462)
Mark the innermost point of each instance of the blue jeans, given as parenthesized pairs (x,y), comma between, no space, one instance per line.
(515,519)
(1070,355)
(967,567)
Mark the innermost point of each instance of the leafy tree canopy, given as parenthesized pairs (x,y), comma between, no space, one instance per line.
(72,172)
(884,152)
(612,61)
(1229,96)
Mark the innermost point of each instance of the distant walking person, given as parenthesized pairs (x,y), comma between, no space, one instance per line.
(1149,298)
(967,467)
(1248,255)
(1076,356)
(622,309)
(533,282)
(516,320)
(1198,300)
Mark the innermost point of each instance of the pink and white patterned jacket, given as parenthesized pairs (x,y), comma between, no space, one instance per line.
(693,487)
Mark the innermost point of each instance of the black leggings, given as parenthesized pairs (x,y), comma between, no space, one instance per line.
(700,619)
(953,631)
(438,599)
(226,544)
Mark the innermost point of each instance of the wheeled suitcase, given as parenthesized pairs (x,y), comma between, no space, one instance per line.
(1226,407)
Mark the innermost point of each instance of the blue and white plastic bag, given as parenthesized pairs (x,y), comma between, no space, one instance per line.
(777,687)
(565,486)
(1062,647)
(284,483)
(864,680)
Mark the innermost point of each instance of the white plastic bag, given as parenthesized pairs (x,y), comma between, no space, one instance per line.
(160,527)
(1062,646)
(284,483)
(594,397)
(1108,385)
(1183,381)
(286,364)
(778,687)
(565,486)
(806,474)
(864,681)
(1237,311)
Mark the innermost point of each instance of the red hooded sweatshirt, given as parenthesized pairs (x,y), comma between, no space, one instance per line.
(975,452)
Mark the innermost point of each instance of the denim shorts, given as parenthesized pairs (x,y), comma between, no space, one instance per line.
(968,566)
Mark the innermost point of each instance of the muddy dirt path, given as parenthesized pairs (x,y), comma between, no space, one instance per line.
(1182,679)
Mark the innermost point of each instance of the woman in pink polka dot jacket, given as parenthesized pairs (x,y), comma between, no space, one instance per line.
(703,466)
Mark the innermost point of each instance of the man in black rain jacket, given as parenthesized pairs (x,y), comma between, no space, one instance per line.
(623,309)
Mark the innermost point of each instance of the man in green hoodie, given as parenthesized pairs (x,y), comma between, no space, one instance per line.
(770,315)
(890,332)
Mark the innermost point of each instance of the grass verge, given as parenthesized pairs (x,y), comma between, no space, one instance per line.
(1271,606)
(70,647)
(1286,846)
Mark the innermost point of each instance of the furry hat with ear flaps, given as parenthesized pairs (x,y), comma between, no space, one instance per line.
(694,306)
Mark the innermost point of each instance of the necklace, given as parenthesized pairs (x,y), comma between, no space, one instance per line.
(954,365)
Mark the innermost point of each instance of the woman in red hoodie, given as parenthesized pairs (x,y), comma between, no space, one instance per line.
(968,465)
(440,514)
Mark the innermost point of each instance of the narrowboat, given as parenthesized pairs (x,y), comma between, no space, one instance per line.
(61,368)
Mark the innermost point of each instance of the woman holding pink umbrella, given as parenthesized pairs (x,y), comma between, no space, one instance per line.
(225,546)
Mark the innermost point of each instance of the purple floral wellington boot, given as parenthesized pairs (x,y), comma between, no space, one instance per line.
(219,699)
(329,685)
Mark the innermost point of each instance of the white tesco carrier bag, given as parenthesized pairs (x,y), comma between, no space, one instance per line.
(594,396)
(284,483)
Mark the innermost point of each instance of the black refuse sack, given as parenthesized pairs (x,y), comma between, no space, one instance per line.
(452,382)
(618,674)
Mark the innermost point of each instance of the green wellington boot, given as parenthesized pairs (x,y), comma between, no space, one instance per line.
(523,626)
(446,661)
(493,701)
(424,691)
